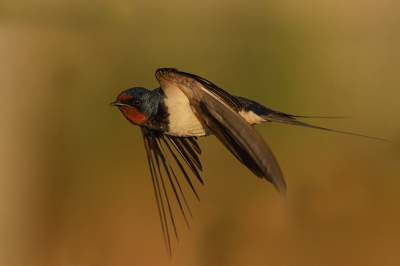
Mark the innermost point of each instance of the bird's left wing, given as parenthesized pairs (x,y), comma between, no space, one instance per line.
(219,111)
(156,156)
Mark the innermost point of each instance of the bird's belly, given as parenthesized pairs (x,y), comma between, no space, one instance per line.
(188,129)
(182,121)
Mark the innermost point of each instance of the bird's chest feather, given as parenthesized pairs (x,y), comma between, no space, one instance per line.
(182,121)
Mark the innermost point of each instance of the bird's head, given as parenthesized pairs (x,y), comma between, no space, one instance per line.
(137,104)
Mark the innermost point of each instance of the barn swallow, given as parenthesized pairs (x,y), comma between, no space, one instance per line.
(185,107)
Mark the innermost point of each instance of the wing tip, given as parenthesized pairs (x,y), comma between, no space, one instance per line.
(281,189)
(279,184)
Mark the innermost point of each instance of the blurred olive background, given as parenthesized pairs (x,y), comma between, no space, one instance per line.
(75,186)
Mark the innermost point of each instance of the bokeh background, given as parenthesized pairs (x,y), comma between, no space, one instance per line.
(74,181)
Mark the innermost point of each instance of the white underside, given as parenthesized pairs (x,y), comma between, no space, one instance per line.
(184,123)
(251,117)
(182,120)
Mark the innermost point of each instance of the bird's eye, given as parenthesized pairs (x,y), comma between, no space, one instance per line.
(136,102)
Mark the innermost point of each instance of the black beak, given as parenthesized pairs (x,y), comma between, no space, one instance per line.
(115,104)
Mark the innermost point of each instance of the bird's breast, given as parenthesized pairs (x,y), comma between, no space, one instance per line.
(182,121)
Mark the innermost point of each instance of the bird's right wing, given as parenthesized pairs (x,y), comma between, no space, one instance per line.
(219,111)
(156,156)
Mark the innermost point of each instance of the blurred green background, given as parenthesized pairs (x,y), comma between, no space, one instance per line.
(74,181)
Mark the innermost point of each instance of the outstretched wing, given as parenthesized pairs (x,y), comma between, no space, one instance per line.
(218,110)
(156,156)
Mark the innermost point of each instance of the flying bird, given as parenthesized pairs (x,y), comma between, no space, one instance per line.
(185,107)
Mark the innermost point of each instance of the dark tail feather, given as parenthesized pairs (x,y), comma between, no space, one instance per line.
(279,117)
